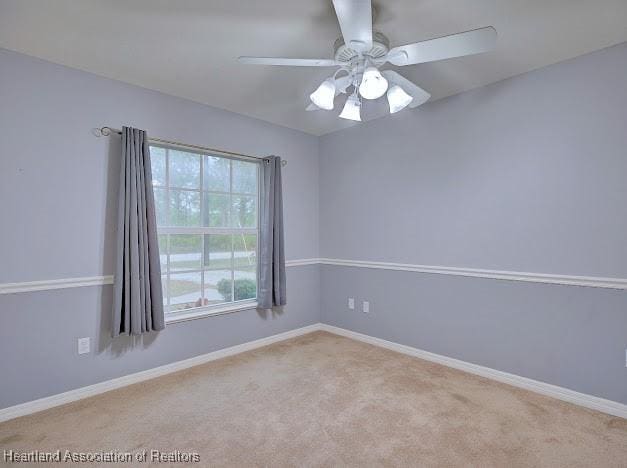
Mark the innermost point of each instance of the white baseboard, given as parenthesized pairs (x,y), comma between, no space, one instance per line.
(564,394)
(101,387)
(588,401)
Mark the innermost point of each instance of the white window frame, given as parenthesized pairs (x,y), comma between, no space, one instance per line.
(215,309)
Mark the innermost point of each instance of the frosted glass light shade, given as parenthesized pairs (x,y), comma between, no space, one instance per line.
(325,94)
(398,99)
(352,109)
(373,85)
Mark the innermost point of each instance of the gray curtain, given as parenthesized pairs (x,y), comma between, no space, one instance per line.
(271,241)
(137,297)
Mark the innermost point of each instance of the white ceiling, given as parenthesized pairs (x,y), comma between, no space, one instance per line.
(189,48)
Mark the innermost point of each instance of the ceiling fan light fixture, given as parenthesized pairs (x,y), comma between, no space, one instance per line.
(373,84)
(360,51)
(398,99)
(352,108)
(325,94)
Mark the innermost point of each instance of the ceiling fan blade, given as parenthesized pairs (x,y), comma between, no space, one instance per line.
(290,62)
(355,18)
(419,95)
(455,45)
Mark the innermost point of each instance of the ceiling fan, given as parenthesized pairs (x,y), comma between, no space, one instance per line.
(361,51)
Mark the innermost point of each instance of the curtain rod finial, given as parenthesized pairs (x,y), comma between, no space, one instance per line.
(283,161)
(100,132)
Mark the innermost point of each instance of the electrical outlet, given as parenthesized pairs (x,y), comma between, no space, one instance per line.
(83,345)
(351,303)
(366,307)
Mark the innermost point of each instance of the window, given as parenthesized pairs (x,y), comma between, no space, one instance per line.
(207,220)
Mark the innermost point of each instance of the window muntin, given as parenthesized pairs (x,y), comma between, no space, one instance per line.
(207,220)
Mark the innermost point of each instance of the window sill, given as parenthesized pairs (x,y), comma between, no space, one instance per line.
(202,312)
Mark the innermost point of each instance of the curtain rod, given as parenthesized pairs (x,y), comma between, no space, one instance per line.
(106,131)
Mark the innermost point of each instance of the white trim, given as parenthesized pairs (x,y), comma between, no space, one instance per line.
(302,262)
(547,278)
(62,283)
(101,387)
(202,312)
(570,280)
(560,393)
(588,401)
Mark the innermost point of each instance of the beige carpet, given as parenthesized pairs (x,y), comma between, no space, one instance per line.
(325,400)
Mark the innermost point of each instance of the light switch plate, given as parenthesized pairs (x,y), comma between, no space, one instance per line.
(351,303)
(83,345)
(366,307)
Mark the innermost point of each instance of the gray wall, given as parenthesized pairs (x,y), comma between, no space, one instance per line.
(573,337)
(38,333)
(59,177)
(528,174)
(58,186)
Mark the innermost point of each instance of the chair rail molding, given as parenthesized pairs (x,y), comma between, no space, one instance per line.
(64,283)
(547,278)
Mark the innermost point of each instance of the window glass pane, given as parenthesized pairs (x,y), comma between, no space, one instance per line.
(218,286)
(215,210)
(184,169)
(205,191)
(217,251)
(160,205)
(216,177)
(245,286)
(184,208)
(164,288)
(163,252)
(244,211)
(244,177)
(245,250)
(185,252)
(184,290)
(157,166)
